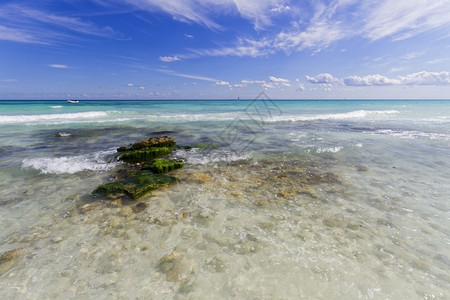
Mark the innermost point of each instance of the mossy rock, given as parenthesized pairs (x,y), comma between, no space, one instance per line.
(144,155)
(162,165)
(163,141)
(123,149)
(136,186)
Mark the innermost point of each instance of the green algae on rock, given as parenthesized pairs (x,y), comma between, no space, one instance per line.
(148,154)
(163,141)
(162,165)
(136,186)
(144,155)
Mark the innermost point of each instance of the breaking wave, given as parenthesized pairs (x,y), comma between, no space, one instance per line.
(198,156)
(53,118)
(71,164)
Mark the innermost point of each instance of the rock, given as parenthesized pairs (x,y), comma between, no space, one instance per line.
(308,190)
(144,155)
(163,141)
(315,178)
(171,265)
(133,183)
(216,265)
(117,203)
(57,239)
(140,207)
(8,258)
(136,186)
(87,207)
(261,203)
(162,165)
(125,211)
(123,149)
(199,178)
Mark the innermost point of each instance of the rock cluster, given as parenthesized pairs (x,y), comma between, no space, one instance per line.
(145,169)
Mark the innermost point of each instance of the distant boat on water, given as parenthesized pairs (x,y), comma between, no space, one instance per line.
(72,101)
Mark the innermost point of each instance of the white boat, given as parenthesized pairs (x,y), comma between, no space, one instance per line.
(73,101)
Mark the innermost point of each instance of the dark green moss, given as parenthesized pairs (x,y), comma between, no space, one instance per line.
(162,165)
(163,141)
(144,155)
(135,186)
(123,149)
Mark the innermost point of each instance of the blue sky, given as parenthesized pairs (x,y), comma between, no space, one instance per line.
(208,49)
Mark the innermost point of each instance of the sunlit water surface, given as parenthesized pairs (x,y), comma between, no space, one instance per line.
(302,200)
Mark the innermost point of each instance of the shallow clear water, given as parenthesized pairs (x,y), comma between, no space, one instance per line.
(302,200)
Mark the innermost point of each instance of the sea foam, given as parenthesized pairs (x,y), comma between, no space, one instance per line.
(52,118)
(198,156)
(71,164)
(357,114)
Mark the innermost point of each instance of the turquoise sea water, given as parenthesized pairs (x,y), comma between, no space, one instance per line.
(302,200)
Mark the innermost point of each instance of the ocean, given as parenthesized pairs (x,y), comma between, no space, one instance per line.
(300,200)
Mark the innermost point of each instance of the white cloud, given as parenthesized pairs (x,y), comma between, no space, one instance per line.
(369,80)
(58,66)
(190,36)
(418,78)
(280,81)
(426,78)
(130,85)
(222,83)
(301,87)
(169,59)
(322,78)
(279,8)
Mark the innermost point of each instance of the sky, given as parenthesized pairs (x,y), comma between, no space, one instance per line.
(224,49)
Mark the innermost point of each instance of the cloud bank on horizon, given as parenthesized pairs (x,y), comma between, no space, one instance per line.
(225,48)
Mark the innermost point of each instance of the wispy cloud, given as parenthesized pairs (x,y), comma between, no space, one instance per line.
(58,66)
(190,76)
(31,25)
(169,59)
(204,12)
(401,19)
(335,21)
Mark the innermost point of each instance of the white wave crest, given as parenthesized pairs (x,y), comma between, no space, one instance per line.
(228,116)
(413,134)
(357,114)
(198,156)
(329,149)
(52,118)
(71,164)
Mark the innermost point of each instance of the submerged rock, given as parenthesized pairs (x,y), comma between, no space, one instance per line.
(173,267)
(136,186)
(140,207)
(8,258)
